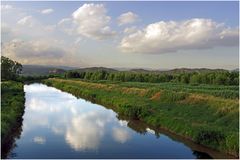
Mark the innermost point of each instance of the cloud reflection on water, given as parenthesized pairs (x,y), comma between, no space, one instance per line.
(121,134)
(82,123)
(39,140)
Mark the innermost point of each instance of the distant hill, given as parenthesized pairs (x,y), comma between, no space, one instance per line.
(43,70)
(140,70)
(56,71)
(93,69)
(177,70)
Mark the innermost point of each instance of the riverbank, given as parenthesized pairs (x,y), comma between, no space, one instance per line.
(205,119)
(12,109)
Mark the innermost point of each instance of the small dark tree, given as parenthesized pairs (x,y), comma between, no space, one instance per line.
(10,69)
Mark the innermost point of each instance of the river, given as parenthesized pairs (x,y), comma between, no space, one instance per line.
(56,124)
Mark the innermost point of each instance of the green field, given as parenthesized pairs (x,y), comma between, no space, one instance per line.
(12,107)
(206,114)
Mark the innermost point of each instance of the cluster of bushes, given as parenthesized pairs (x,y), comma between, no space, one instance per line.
(209,136)
(12,107)
(213,77)
(133,111)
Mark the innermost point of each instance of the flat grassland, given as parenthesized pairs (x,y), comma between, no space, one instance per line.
(206,114)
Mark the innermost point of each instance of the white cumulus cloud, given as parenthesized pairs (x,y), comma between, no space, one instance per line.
(36,51)
(28,20)
(92,21)
(129,30)
(127,18)
(171,36)
(67,26)
(47,11)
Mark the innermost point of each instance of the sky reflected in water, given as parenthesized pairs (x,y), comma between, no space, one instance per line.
(58,125)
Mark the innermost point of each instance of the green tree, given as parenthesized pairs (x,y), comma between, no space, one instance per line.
(195,79)
(221,79)
(10,69)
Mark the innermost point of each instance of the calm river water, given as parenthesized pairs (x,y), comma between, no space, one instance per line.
(56,124)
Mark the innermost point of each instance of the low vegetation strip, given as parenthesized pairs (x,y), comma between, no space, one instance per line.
(204,118)
(12,107)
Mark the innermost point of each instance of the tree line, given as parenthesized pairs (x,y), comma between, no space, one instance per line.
(211,77)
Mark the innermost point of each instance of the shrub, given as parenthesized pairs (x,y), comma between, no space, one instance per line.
(232,143)
(48,83)
(209,137)
(133,111)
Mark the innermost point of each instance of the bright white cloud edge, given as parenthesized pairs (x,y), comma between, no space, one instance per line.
(172,36)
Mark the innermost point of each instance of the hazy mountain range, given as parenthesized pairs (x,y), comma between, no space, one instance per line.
(44,70)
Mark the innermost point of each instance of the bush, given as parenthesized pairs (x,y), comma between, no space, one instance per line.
(133,111)
(48,83)
(209,137)
(232,142)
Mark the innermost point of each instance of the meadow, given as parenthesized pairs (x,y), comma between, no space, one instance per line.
(206,114)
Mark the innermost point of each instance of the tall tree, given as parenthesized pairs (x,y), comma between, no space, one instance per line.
(10,69)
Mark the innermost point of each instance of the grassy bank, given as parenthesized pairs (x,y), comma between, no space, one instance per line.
(210,119)
(12,107)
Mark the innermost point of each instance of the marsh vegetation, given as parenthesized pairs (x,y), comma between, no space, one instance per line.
(192,111)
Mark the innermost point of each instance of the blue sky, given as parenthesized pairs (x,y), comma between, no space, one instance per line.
(122,34)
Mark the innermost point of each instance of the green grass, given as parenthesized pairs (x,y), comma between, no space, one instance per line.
(12,107)
(224,91)
(215,90)
(190,111)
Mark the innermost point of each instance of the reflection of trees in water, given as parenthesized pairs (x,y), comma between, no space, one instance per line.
(138,126)
(201,155)
(9,144)
(141,127)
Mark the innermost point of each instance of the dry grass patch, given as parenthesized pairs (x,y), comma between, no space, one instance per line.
(137,91)
(222,105)
(156,96)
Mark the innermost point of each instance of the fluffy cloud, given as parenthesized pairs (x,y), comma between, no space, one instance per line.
(28,20)
(129,30)
(92,21)
(37,51)
(127,18)
(67,26)
(171,36)
(47,11)
(64,20)
(38,29)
